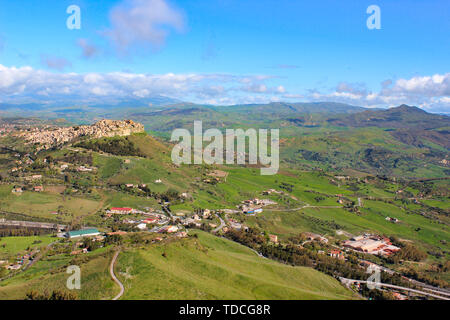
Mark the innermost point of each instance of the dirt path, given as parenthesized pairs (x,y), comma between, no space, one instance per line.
(113,276)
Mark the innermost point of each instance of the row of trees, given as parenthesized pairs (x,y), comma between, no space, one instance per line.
(167,196)
(120,146)
(91,245)
(21,232)
(54,295)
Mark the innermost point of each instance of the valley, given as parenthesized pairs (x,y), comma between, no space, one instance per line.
(183,230)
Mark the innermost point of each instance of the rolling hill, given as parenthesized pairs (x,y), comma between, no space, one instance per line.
(206,267)
(399,117)
(216,268)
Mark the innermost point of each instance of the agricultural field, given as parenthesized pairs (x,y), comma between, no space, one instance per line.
(10,246)
(44,204)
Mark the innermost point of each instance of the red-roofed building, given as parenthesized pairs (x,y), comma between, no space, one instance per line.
(336,254)
(38,188)
(169,229)
(273,238)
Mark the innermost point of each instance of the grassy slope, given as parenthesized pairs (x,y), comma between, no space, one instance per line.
(215,268)
(41,204)
(14,245)
(345,149)
(50,274)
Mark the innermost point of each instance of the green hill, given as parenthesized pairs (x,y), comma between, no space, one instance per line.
(399,117)
(214,268)
(206,267)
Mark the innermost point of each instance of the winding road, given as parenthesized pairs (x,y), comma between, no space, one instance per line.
(113,276)
(222,224)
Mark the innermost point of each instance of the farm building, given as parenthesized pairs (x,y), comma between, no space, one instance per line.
(371,244)
(82,233)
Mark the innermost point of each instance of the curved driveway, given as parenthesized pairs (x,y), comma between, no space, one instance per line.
(113,276)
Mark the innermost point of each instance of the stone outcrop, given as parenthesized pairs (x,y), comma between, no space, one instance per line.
(51,137)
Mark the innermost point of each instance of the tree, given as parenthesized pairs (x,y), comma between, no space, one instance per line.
(55,295)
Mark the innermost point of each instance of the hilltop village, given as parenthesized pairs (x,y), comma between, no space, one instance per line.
(48,137)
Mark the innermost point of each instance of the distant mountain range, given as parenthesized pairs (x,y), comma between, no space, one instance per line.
(76,104)
(298,107)
(410,125)
(400,117)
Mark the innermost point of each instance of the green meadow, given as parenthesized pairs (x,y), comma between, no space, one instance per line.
(215,268)
(42,204)
(10,246)
(50,274)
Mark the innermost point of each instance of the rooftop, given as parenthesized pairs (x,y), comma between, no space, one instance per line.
(83,232)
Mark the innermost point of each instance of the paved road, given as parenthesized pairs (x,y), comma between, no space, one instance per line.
(345,280)
(222,224)
(111,271)
(430,287)
(38,256)
(167,210)
(417,283)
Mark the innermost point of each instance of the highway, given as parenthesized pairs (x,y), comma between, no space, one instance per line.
(347,281)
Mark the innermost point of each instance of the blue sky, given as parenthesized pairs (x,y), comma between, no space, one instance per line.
(228,51)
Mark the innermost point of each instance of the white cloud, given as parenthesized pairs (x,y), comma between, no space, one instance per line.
(428,92)
(56,63)
(92,78)
(141,93)
(143,23)
(17,84)
(435,85)
(27,82)
(281,89)
(88,50)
